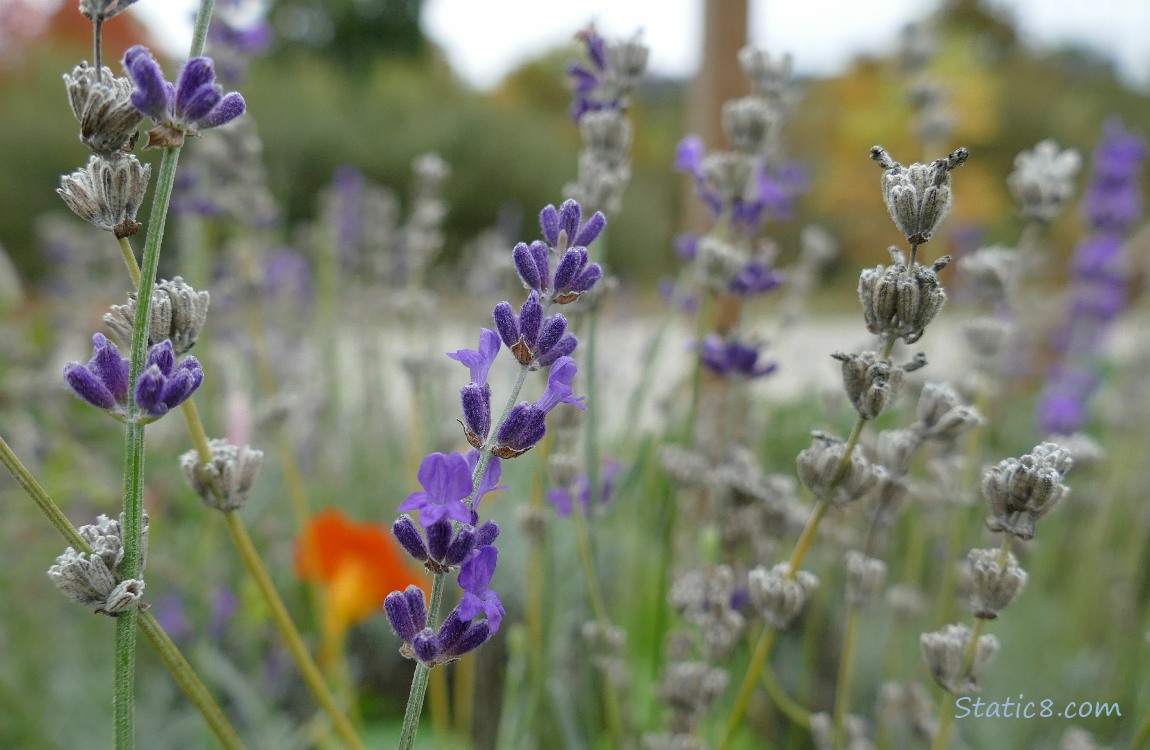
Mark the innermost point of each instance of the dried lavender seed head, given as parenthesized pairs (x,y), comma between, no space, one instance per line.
(102,10)
(94,579)
(917,196)
(819,469)
(908,705)
(731,175)
(865,577)
(718,263)
(685,467)
(871,383)
(1019,491)
(224,482)
(894,449)
(855,728)
(986,337)
(107,192)
(899,304)
(942,414)
(987,273)
(688,689)
(993,586)
(746,122)
(944,652)
(907,602)
(178,314)
(108,119)
(770,79)
(1043,180)
(776,597)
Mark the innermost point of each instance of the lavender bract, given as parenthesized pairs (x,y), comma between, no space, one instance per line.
(196,102)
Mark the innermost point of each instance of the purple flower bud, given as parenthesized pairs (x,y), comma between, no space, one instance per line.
(526,267)
(406,620)
(461,546)
(425,646)
(486,534)
(531,319)
(523,428)
(564,348)
(164,385)
(476,401)
(591,230)
(507,324)
(475,636)
(452,629)
(103,382)
(553,329)
(549,223)
(409,537)
(588,278)
(570,264)
(438,539)
(569,214)
(541,255)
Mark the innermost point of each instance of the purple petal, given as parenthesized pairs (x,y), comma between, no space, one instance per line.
(476,573)
(87,386)
(559,386)
(490,480)
(409,538)
(526,267)
(549,223)
(228,109)
(689,155)
(479,360)
(531,318)
(150,391)
(564,348)
(196,73)
(506,323)
(553,329)
(399,615)
(542,257)
(591,230)
(570,264)
(112,369)
(162,357)
(569,214)
(192,106)
(587,279)
(151,94)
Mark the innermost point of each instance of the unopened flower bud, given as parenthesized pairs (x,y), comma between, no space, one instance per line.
(224,482)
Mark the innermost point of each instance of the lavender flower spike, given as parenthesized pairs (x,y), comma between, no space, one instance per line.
(103,382)
(446,483)
(561,227)
(164,385)
(196,102)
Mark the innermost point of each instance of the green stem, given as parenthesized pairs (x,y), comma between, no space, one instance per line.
(181,671)
(797,714)
(129,256)
(283,622)
(590,421)
(758,661)
(842,687)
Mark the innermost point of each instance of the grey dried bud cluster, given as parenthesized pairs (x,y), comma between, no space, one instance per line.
(987,273)
(871,383)
(992,584)
(894,449)
(917,196)
(820,469)
(900,302)
(865,578)
(770,79)
(718,262)
(731,174)
(178,315)
(604,167)
(607,644)
(945,652)
(102,10)
(688,688)
(943,415)
(854,727)
(1043,180)
(224,482)
(704,600)
(746,121)
(777,597)
(684,466)
(986,336)
(107,192)
(103,105)
(908,705)
(94,579)
(1019,491)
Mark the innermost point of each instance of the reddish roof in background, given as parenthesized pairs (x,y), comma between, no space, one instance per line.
(29,26)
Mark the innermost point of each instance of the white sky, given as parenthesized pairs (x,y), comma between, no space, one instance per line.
(486,38)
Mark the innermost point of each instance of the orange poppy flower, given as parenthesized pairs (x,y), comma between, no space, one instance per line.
(356,564)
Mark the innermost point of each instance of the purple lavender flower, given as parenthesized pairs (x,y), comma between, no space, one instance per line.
(564,498)
(164,385)
(755,278)
(526,423)
(733,357)
(613,72)
(474,578)
(103,382)
(1099,277)
(489,482)
(446,483)
(575,275)
(479,361)
(194,103)
(564,222)
(529,335)
(533,264)
(407,612)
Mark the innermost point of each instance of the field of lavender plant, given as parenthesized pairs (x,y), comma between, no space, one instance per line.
(335,483)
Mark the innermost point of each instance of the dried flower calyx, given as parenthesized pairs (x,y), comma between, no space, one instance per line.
(108,192)
(822,470)
(224,481)
(900,302)
(917,196)
(103,105)
(945,654)
(178,314)
(872,383)
(93,579)
(995,582)
(778,596)
(1019,491)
